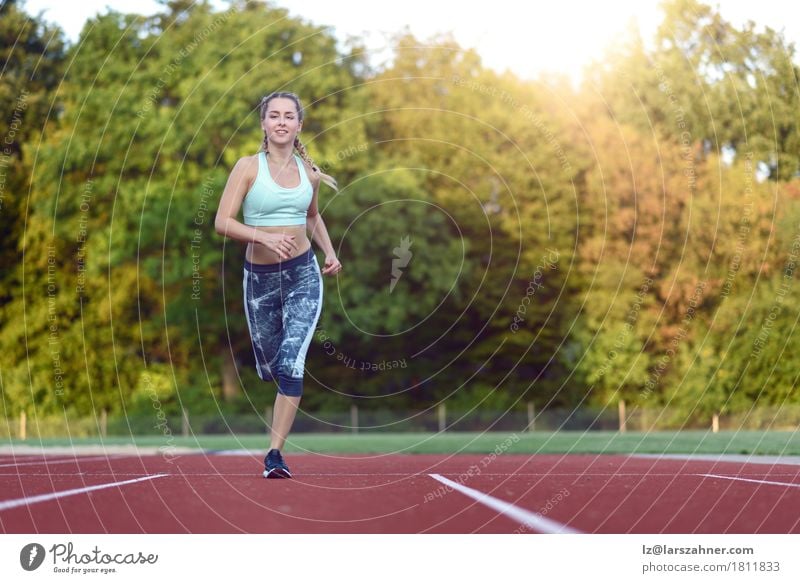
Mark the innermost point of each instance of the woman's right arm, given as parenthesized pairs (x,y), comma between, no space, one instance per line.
(241,178)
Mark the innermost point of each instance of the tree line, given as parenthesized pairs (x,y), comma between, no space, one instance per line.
(506,241)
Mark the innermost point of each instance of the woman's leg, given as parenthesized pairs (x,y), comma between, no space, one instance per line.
(282,418)
(283,304)
(301,310)
(263,307)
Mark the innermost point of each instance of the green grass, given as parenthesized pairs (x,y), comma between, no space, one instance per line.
(596,442)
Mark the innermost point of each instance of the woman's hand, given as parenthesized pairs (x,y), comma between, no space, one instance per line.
(332,265)
(284,246)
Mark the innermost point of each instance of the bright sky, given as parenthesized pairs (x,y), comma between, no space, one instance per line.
(526,36)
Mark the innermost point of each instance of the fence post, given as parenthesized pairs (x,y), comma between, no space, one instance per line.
(185,422)
(354,418)
(622,420)
(531,416)
(23,426)
(715,423)
(442,410)
(103,423)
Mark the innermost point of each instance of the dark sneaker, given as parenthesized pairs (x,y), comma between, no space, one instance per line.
(274,466)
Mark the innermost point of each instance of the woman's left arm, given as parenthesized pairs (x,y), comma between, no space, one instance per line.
(319,234)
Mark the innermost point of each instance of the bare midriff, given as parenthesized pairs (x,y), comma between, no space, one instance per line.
(257,253)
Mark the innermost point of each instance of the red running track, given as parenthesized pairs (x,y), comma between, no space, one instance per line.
(208,493)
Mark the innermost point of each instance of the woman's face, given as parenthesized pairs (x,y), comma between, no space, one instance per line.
(281,121)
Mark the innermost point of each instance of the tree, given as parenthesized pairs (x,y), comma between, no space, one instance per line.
(710,83)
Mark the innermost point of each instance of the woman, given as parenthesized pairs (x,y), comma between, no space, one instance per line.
(277,190)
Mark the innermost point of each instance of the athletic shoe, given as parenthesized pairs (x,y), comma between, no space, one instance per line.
(274,466)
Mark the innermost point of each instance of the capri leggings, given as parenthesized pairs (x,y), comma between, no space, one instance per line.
(282,302)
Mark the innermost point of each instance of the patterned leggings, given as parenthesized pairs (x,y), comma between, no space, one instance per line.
(282,302)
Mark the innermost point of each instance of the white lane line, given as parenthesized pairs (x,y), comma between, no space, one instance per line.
(15,458)
(789,484)
(521,515)
(791,460)
(8,504)
(335,474)
(62,461)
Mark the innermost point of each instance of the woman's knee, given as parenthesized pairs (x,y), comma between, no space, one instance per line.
(290,386)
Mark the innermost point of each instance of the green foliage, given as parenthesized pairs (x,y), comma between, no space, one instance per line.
(502,241)
(706,80)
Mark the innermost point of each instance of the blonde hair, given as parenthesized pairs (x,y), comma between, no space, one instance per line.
(298,145)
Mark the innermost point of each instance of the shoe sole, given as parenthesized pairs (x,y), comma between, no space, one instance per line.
(276,473)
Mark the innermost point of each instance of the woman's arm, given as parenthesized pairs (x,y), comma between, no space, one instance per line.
(319,233)
(238,184)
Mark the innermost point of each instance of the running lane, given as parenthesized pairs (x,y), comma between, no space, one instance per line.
(400,494)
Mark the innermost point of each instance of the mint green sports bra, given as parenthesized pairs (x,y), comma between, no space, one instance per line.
(267,203)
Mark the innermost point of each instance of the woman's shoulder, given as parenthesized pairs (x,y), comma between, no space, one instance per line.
(250,161)
(313,175)
(248,165)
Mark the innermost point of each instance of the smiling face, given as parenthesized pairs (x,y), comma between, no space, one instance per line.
(281,121)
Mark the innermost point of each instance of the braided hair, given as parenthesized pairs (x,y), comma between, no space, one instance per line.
(298,145)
